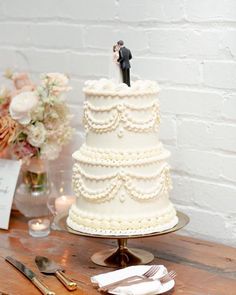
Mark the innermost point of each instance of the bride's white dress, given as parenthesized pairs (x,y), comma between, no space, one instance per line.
(115,70)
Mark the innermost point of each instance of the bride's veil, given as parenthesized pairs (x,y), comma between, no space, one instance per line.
(110,67)
(114,71)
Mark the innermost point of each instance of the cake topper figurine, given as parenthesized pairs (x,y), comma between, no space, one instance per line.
(124,58)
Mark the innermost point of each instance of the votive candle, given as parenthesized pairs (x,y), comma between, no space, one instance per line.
(39,227)
(63,203)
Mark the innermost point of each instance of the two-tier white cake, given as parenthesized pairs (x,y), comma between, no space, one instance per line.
(121,177)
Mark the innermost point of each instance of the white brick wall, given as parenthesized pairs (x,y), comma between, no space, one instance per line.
(209,137)
(224,74)
(188,46)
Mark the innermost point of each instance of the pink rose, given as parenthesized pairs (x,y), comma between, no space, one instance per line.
(22,83)
(23,149)
(21,80)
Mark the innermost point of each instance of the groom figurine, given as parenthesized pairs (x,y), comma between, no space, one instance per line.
(124,57)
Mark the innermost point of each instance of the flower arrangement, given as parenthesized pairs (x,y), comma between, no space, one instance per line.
(35,119)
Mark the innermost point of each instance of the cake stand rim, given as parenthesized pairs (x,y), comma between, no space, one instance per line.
(183,220)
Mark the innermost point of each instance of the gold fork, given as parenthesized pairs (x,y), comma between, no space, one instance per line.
(151,272)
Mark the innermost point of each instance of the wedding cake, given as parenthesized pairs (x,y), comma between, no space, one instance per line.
(121,176)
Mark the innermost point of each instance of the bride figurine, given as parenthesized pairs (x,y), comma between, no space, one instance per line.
(115,70)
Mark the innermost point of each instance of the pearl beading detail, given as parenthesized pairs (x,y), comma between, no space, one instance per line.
(119,179)
(115,225)
(114,158)
(121,113)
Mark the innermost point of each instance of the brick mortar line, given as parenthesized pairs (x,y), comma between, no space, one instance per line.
(221,214)
(219,181)
(219,120)
(205,89)
(186,25)
(103,52)
(218,152)
(196,88)
(152,22)
(175,173)
(142,53)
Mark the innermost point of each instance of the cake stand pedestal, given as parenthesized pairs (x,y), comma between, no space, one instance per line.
(123,256)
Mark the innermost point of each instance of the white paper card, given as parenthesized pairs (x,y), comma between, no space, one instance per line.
(9,171)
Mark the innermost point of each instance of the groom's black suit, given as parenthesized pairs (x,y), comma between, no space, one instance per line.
(124,57)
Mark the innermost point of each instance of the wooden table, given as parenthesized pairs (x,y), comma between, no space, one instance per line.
(203,268)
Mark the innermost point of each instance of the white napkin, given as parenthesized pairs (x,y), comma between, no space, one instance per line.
(146,288)
(135,289)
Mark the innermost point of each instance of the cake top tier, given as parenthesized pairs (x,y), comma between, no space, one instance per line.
(107,87)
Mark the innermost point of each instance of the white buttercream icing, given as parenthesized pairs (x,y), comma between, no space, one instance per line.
(100,225)
(105,87)
(120,176)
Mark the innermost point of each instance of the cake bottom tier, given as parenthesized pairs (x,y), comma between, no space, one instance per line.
(98,224)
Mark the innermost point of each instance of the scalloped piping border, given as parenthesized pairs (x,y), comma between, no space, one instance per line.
(109,226)
(112,158)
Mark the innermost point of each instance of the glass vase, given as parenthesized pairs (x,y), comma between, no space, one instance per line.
(33,188)
(35,175)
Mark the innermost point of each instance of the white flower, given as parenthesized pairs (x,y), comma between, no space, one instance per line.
(50,150)
(58,82)
(36,134)
(21,106)
(38,113)
(58,78)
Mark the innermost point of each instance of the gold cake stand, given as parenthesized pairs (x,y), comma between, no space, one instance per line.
(122,256)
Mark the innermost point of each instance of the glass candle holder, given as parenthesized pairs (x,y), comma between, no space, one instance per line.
(63,203)
(39,227)
(62,195)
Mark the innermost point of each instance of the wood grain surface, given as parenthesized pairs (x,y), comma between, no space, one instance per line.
(203,268)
